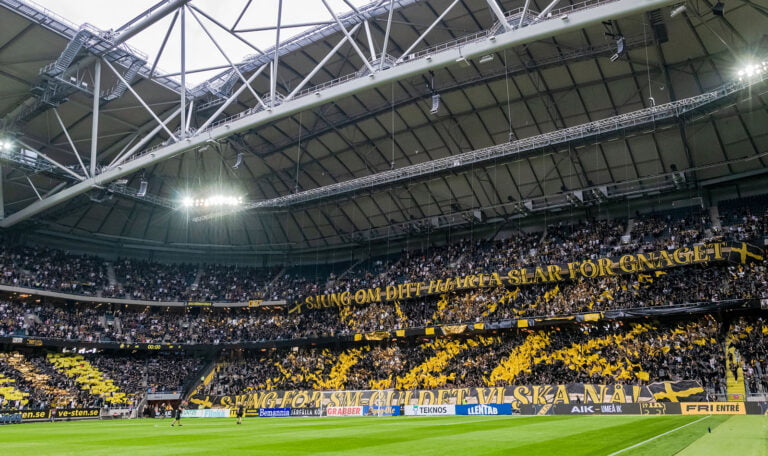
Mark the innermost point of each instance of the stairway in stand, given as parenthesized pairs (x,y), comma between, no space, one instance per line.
(735,383)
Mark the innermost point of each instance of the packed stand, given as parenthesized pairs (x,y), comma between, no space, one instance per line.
(670,230)
(744,219)
(134,324)
(230,283)
(45,386)
(751,343)
(51,269)
(136,375)
(601,353)
(151,281)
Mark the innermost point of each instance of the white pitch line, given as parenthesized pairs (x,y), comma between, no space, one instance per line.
(656,437)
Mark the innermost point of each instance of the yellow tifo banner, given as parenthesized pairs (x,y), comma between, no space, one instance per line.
(585,269)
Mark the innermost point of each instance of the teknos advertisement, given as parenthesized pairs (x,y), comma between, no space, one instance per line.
(713,408)
(274,412)
(430,410)
(344,411)
(484,409)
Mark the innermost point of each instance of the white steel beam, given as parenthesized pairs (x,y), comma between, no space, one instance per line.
(548,9)
(95,114)
(429,29)
(163,43)
(371,48)
(494,5)
(189,116)
(183,97)
(71,143)
(141,101)
(320,64)
(522,15)
(226,57)
(53,162)
(34,188)
(349,37)
(148,137)
(577,19)
(386,34)
(233,97)
(276,58)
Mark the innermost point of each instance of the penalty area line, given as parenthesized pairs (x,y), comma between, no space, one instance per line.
(656,437)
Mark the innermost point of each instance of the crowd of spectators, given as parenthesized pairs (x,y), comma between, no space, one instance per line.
(51,269)
(745,219)
(135,324)
(42,383)
(151,281)
(665,351)
(45,386)
(136,375)
(751,343)
(600,353)
(606,353)
(230,283)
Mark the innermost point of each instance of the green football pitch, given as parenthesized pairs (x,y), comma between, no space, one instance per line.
(443,436)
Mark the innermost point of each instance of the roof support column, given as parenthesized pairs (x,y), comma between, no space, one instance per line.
(95,115)
(183,113)
(386,34)
(499,14)
(429,29)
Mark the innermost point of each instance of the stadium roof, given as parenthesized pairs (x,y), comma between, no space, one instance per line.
(564,104)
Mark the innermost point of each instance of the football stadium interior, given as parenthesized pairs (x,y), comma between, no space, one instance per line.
(528,212)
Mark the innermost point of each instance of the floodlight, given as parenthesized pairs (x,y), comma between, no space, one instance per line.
(620,49)
(435,104)
(752,70)
(678,10)
(143,185)
(212,201)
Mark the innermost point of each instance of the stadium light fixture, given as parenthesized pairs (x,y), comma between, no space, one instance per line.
(752,70)
(212,201)
(486,58)
(143,186)
(678,10)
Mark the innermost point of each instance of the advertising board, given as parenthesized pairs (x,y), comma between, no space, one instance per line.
(430,410)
